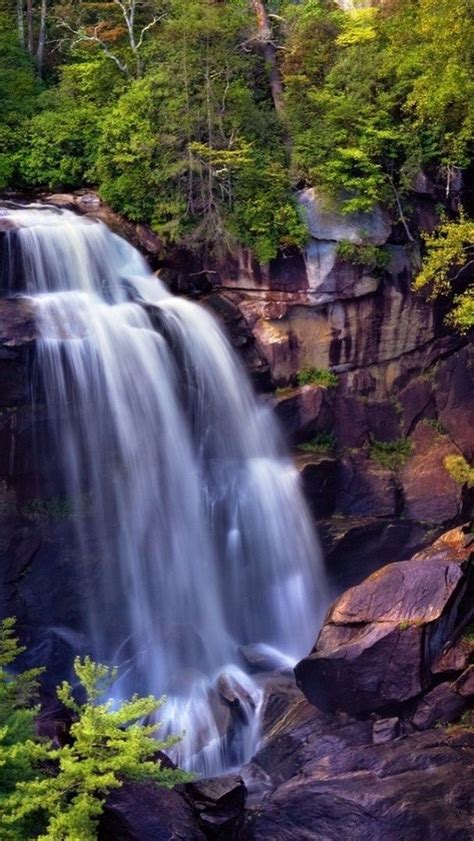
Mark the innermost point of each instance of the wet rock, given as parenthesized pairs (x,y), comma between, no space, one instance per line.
(17,322)
(219,804)
(430,494)
(88,202)
(326,222)
(262,658)
(385,730)
(379,638)
(319,476)
(142,811)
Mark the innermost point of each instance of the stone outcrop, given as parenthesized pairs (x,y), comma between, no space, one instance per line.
(382,638)
(390,668)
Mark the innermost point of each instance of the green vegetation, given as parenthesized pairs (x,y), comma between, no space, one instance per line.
(449,257)
(58,793)
(370,256)
(459,470)
(203,118)
(436,425)
(323,442)
(317,376)
(390,454)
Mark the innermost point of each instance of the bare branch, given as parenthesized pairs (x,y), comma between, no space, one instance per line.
(81,36)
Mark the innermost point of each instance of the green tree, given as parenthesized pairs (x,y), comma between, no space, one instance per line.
(58,794)
(449,259)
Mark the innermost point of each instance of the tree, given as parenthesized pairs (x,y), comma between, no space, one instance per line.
(58,794)
(448,265)
(119,30)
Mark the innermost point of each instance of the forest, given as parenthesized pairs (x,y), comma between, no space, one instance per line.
(203,117)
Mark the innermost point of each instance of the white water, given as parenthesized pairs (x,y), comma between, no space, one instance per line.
(195,516)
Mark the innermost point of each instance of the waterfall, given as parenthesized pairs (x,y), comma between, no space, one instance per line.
(191,534)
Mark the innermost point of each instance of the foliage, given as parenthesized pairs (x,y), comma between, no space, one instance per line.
(370,256)
(58,793)
(18,92)
(391,454)
(317,376)
(323,442)
(166,106)
(392,93)
(459,470)
(449,258)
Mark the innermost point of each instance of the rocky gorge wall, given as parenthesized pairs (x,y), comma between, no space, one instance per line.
(402,381)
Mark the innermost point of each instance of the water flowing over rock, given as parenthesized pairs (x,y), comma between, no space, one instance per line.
(187,532)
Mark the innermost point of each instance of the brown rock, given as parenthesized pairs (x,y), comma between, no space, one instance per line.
(146,812)
(379,638)
(385,730)
(431,495)
(304,411)
(453,657)
(365,489)
(442,705)
(318,474)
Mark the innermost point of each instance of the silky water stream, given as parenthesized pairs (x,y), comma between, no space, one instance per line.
(187,508)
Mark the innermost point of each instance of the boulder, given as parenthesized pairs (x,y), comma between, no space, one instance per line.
(143,811)
(263,658)
(380,637)
(327,222)
(219,804)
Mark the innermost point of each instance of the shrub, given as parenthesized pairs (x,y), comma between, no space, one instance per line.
(59,793)
(367,255)
(317,376)
(390,454)
(323,442)
(459,470)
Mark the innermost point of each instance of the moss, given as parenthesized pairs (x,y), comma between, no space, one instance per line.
(459,470)
(284,391)
(317,376)
(391,454)
(436,425)
(323,442)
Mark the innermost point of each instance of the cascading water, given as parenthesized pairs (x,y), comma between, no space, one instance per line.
(187,508)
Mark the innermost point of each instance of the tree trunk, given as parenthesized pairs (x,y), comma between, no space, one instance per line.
(20,22)
(269,53)
(41,38)
(29,22)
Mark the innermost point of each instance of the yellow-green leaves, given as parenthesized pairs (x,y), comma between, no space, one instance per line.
(449,257)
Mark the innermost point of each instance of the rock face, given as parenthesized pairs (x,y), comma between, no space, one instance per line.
(390,667)
(382,638)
